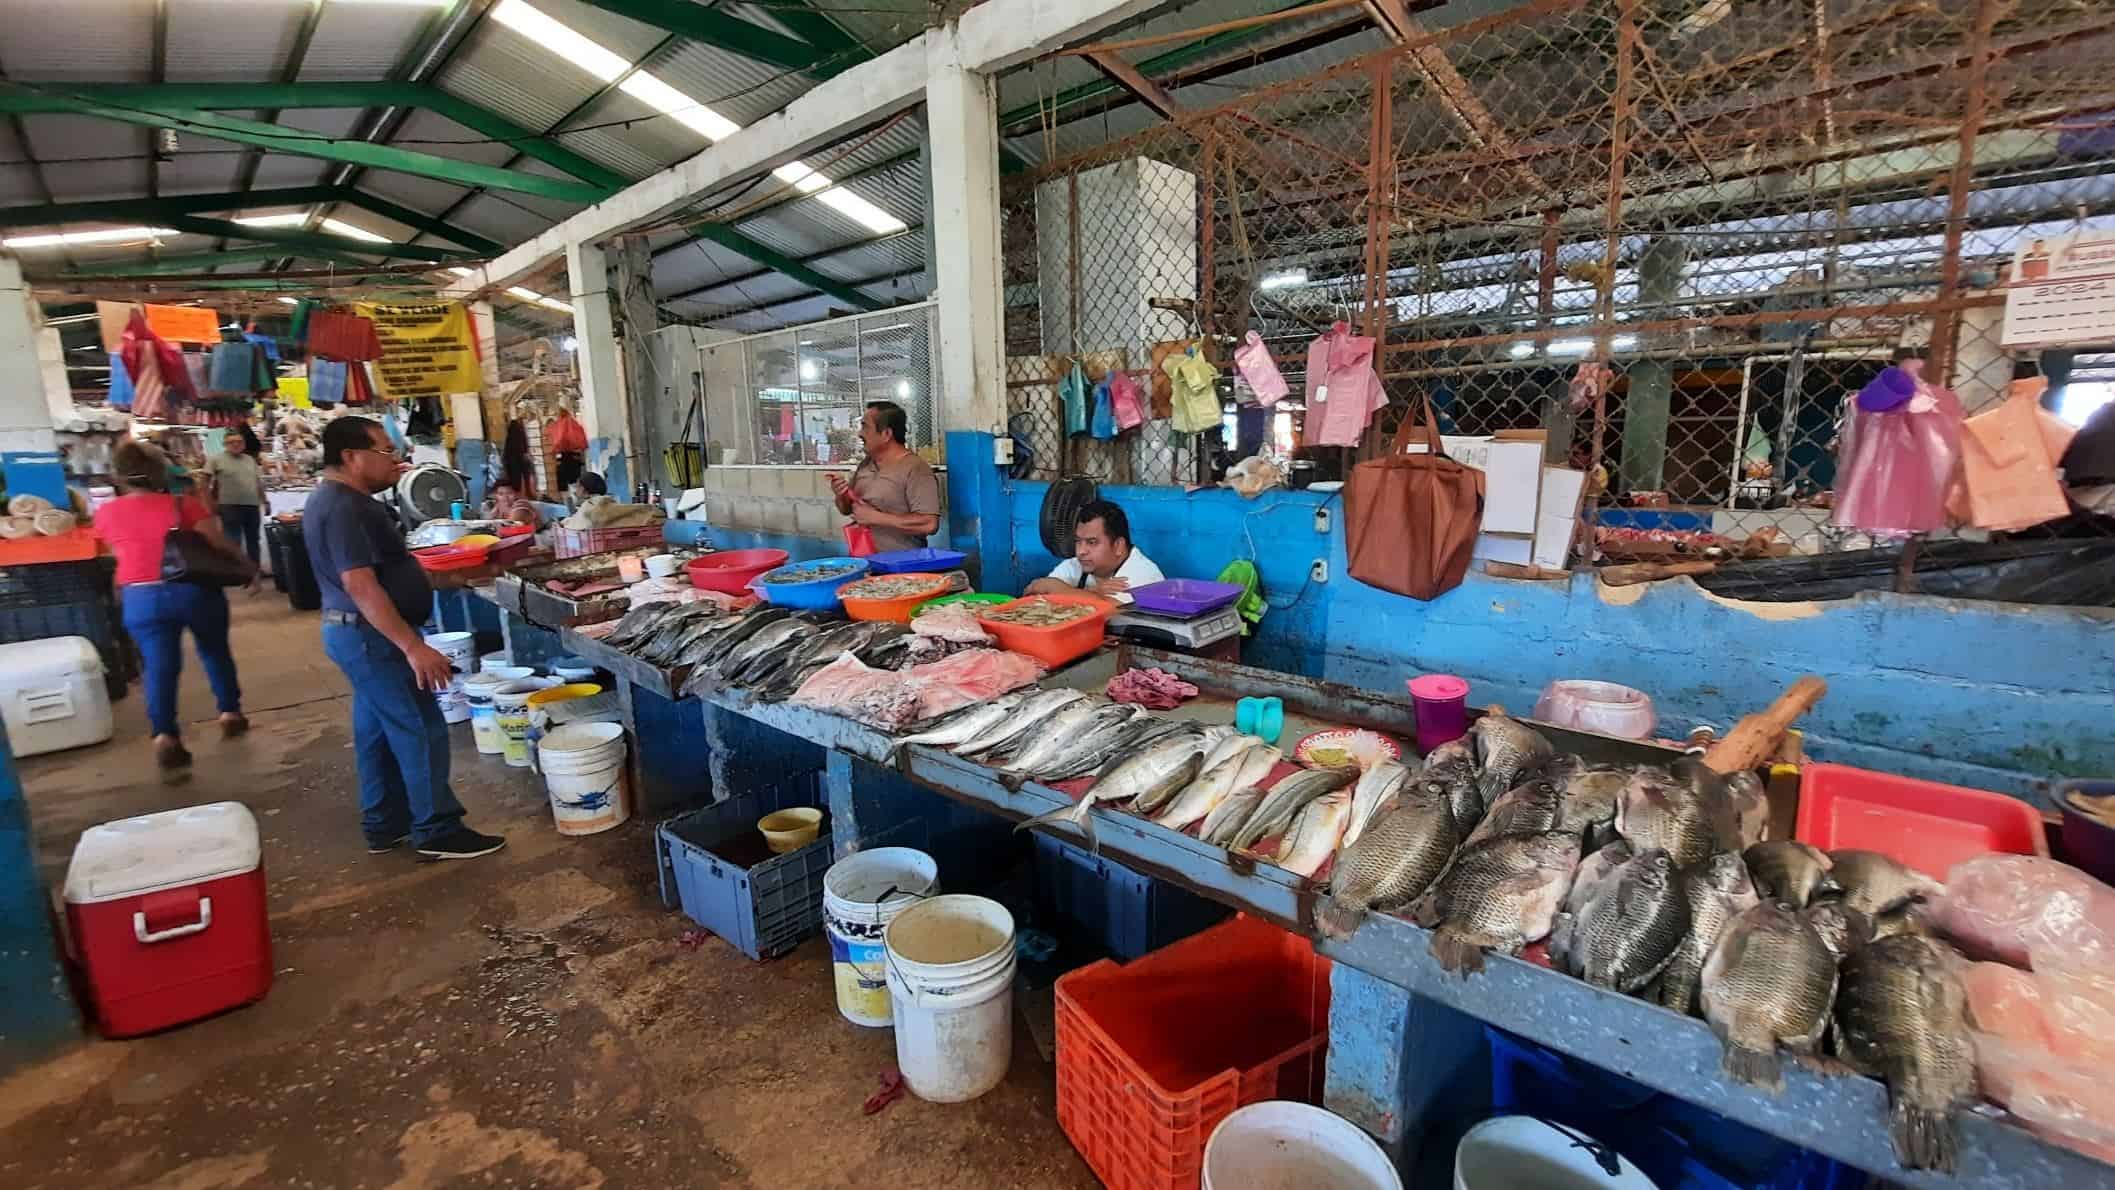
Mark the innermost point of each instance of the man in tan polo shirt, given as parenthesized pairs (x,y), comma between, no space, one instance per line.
(892,492)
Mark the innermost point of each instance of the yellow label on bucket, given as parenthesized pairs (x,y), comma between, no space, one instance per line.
(857,996)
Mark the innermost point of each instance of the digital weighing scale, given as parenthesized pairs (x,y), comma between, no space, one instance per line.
(1174,632)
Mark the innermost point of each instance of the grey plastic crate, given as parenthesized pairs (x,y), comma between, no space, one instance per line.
(763,910)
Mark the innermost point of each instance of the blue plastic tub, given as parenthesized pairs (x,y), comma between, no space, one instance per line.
(763,907)
(1087,899)
(925,561)
(813,595)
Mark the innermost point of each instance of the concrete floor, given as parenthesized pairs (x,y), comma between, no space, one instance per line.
(528,1019)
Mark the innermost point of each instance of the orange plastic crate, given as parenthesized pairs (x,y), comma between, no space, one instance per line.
(1152,1054)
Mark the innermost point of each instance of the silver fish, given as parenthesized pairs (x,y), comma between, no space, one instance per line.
(1450,771)
(1901,1015)
(1153,800)
(1527,809)
(1718,890)
(1060,731)
(1030,711)
(1500,894)
(1790,873)
(1224,819)
(1669,816)
(1841,928)
(1096,752)
(1506,751)
(1628,934)
(1768,983)
(1199,798)
(1315,833)
(1393,861)
(1286,799)
(1375,786)
(636,623)
(1169,764)
(963,724)
(1875,884)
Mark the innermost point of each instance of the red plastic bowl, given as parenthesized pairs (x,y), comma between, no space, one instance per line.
(1927,825)
(731,571)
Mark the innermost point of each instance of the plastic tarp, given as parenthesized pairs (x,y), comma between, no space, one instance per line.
(2071,572)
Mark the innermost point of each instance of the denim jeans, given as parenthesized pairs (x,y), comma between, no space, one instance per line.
(156,615)
(400,740)
(243,523)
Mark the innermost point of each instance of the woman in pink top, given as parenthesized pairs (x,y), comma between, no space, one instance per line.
(135,525)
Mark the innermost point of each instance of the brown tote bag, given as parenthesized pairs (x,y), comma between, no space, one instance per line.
(1411,519)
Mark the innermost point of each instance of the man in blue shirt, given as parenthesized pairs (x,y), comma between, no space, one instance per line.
(374,597)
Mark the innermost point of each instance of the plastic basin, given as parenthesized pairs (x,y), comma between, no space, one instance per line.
(1185,597)
(980,598)
(920,561)
(730,571)
(1927,825)
(790,830)
(814,594)
(896,609)
(1059,643)
(2088,842)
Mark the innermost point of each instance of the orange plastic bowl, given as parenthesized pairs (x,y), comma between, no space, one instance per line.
(1060,643)
(896,609)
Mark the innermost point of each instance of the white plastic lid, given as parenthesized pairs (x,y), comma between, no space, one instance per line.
(56,656)
(166,850)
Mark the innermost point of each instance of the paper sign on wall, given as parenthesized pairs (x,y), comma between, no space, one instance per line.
(184,324)
(427,349)
(2062,291)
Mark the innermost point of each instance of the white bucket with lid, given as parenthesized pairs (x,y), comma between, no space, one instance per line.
(1282,1143)
(862,894)
(951,963)
(583,771)
(460,648)
(510,711)
(1513,1151)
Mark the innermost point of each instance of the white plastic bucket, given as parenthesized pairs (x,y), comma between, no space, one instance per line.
(583,771)
(1510,1152)
(951,962)
(862,894)
(510,711)
(492,659)
(484,725)
(1296,1146)
(460,648)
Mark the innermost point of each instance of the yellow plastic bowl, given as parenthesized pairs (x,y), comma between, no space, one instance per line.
(483,541)
(790,830)
(544,698)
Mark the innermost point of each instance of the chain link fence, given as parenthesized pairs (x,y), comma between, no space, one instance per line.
(1674,238)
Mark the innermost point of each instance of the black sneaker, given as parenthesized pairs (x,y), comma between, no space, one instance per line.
(461,843)
(384,846)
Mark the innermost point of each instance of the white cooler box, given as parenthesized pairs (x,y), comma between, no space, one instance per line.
(52,695)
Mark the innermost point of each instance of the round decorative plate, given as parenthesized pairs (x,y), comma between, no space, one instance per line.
(1340,746)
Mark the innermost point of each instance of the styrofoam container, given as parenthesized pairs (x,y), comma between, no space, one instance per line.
(166,916)
(54,695)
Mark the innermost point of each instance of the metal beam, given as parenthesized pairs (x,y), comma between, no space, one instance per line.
(811,258)
(307,240)
(153,209)
(795,194)
(779,262)
(193,262)
(432,225)
(158,71)
(821,30)
(802,297)
(716,28)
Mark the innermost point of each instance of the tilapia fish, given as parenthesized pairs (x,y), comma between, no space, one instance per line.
(1664,814)
(1789,873)
(1528,809)
(1315,833)
(1592,878)
(1751,806)
(1901,1015)
(1506,751)
(1170,762)
(1588,795)
(954,728)
(1768,983)
(1718,890)
(1874,884)
(1392,862)
(1375,786)
(1214,785)
(1500,894)
(1029,712)
(1226,818)
(1450,772)
(1841,928)
(1285,799)
(1629,932)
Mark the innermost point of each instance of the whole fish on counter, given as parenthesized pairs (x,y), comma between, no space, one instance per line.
(1200,798)
(1392,862)
(635,624)
(1500,894)
(1033,750)
(1901,1016)
(1225,819)
(1144,730)
(1840,927)
(1315,833)
(1507,750)
(1769,982)
(862,639)
(957,726)
(1210,743)
(1790,873)
(1529,808)
(710,675)
(1031,711)
(1718,890)
(1286,799)
(1656,811)
(1630,931)
(1375,786)
(1170,762)
(1450,772)
(1877,884)
(1588,795)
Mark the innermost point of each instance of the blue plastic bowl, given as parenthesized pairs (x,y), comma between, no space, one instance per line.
(921,561)
(813,595)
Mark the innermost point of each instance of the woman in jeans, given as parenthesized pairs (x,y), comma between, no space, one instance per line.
(135,525)
(238,487)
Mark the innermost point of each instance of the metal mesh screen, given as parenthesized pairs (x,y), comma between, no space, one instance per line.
(796,396)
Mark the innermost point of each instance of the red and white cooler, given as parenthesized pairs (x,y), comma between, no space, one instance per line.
(166,917)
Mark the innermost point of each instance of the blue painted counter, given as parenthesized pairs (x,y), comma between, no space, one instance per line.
(37,1013)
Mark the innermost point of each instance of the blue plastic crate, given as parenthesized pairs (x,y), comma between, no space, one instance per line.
(1126,913)
(764,909)
(1677,1144)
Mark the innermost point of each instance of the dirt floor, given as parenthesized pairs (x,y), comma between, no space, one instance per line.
(533,1018)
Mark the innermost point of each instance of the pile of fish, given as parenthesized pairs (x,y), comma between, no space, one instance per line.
(767,650)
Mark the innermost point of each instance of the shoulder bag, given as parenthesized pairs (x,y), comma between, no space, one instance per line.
(187,557)
(1410,520)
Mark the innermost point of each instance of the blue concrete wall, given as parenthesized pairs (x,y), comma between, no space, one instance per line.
(37,1012)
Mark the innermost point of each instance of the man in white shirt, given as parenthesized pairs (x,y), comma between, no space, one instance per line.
(1103,559)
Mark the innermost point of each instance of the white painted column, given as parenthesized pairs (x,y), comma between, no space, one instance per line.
(961,110)
(486,328)
(599,355)
(25,415)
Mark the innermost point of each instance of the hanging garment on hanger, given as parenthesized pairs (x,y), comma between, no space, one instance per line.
(1897,466)
(1072,394)
(1343,391)
(1260,370)
(232,368)
(1196,391)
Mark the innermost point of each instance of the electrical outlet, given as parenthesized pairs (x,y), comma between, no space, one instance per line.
(1322,521)
(1319,572)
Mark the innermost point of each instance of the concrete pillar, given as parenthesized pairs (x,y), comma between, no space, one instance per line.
(1397,1061)
(600,357)
(962,118)
(1646,403)
(25,414)
(637,318)
(486,328)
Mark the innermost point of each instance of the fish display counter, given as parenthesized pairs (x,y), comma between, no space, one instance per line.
(1408,998)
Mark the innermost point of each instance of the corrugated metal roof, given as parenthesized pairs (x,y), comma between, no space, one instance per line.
(353,42)
(64,137)
(420,194)
(497,217)
(232,41)
(651,141)
(201,173)
(323,121)
(741,89)
(275,170)
(97,41)
(426,132)
(502,71)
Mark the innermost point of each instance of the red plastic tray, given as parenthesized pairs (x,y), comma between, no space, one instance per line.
(1151,1055)
(1927,825)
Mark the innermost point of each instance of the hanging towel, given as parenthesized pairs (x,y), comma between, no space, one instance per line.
(142,358)
(297,326)
(1072,393)
(1103,423)
(1260,370)
(326,382)
(1343,391)
(1196,398)
(120,382)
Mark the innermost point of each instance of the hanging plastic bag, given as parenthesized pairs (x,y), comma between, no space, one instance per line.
(1072,393)
(1196,395)
(2008,462)
(1898,459)
(120,382)
(1343,390)
(1125,401)
(1102,424)
(1260,370)
(859,540)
